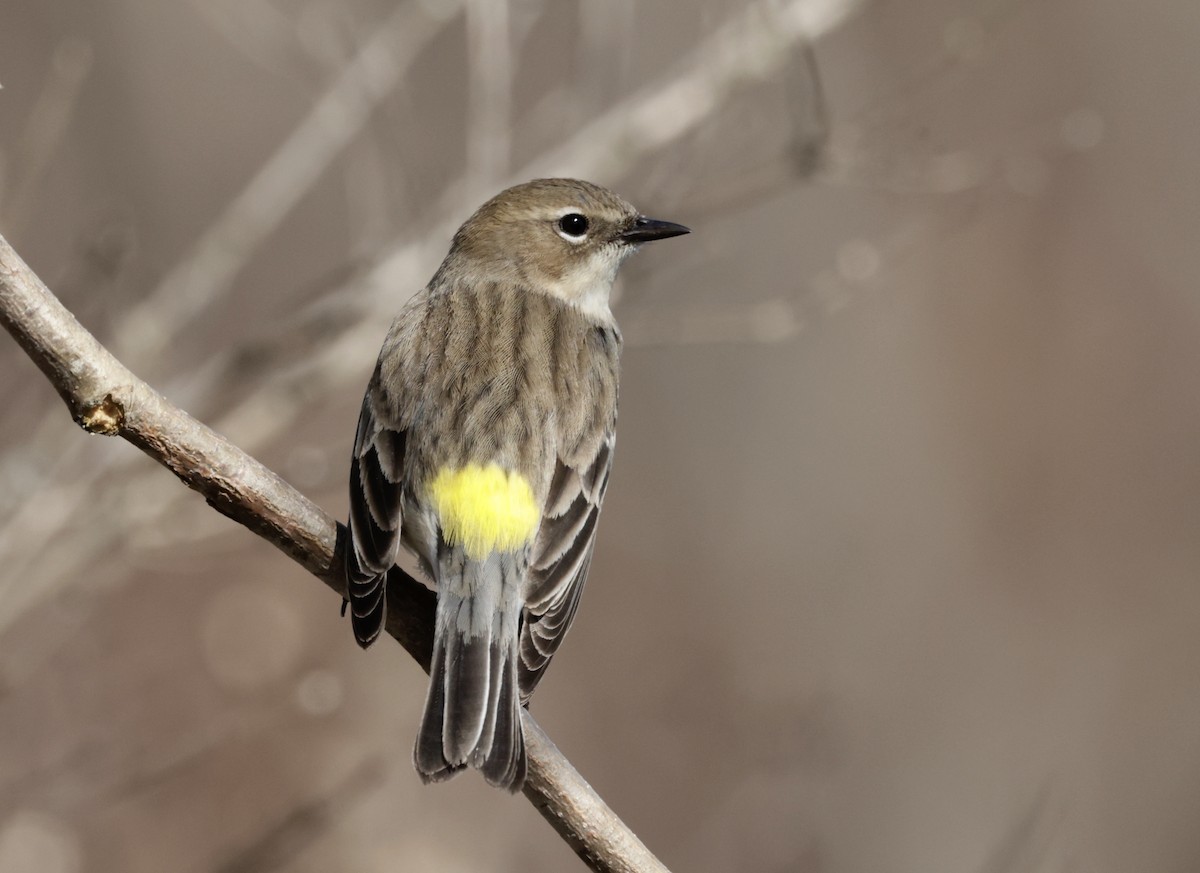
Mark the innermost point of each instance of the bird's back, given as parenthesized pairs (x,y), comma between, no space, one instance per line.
(522,380)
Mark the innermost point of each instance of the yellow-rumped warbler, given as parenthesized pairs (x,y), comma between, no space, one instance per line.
(484,446)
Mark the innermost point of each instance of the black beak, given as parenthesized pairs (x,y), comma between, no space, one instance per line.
(647,229)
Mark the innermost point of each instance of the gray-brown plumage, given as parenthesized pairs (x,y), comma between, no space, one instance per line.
(484,447)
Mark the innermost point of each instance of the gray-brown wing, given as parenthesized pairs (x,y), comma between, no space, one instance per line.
(559,561)
(374,524)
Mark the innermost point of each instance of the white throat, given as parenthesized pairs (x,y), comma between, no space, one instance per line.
(589,288)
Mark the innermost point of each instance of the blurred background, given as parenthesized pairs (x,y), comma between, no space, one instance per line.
(898,569)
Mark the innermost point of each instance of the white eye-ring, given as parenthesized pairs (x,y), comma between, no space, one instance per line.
(573,226)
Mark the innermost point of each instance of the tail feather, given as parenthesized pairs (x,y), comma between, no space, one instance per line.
(468,674)
(504,763)
(487,733)
(431,764)
(472,712)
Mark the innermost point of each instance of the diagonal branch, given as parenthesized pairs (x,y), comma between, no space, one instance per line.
(106,398)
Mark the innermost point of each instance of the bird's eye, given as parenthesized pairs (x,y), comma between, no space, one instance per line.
(573,224)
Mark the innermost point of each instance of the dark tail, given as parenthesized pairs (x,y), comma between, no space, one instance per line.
(473,711)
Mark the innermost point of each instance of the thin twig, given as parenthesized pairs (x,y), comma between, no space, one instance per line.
(105,397)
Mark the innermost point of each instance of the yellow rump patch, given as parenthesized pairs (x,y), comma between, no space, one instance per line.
(485,509)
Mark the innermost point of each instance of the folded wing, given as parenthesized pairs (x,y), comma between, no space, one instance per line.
(561,554)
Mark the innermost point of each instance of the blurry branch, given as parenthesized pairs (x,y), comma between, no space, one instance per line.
(304,824)
(490,91)
(751,46)
(105,397)
(1027,844)
(69,68)
(264,34)
(607,38)
(337,117)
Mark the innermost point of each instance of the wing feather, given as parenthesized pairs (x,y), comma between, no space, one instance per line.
(374,519)
(561,555)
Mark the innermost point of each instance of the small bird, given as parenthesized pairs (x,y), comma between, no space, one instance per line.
(484,447)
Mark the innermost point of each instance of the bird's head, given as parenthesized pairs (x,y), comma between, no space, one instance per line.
(560,236)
